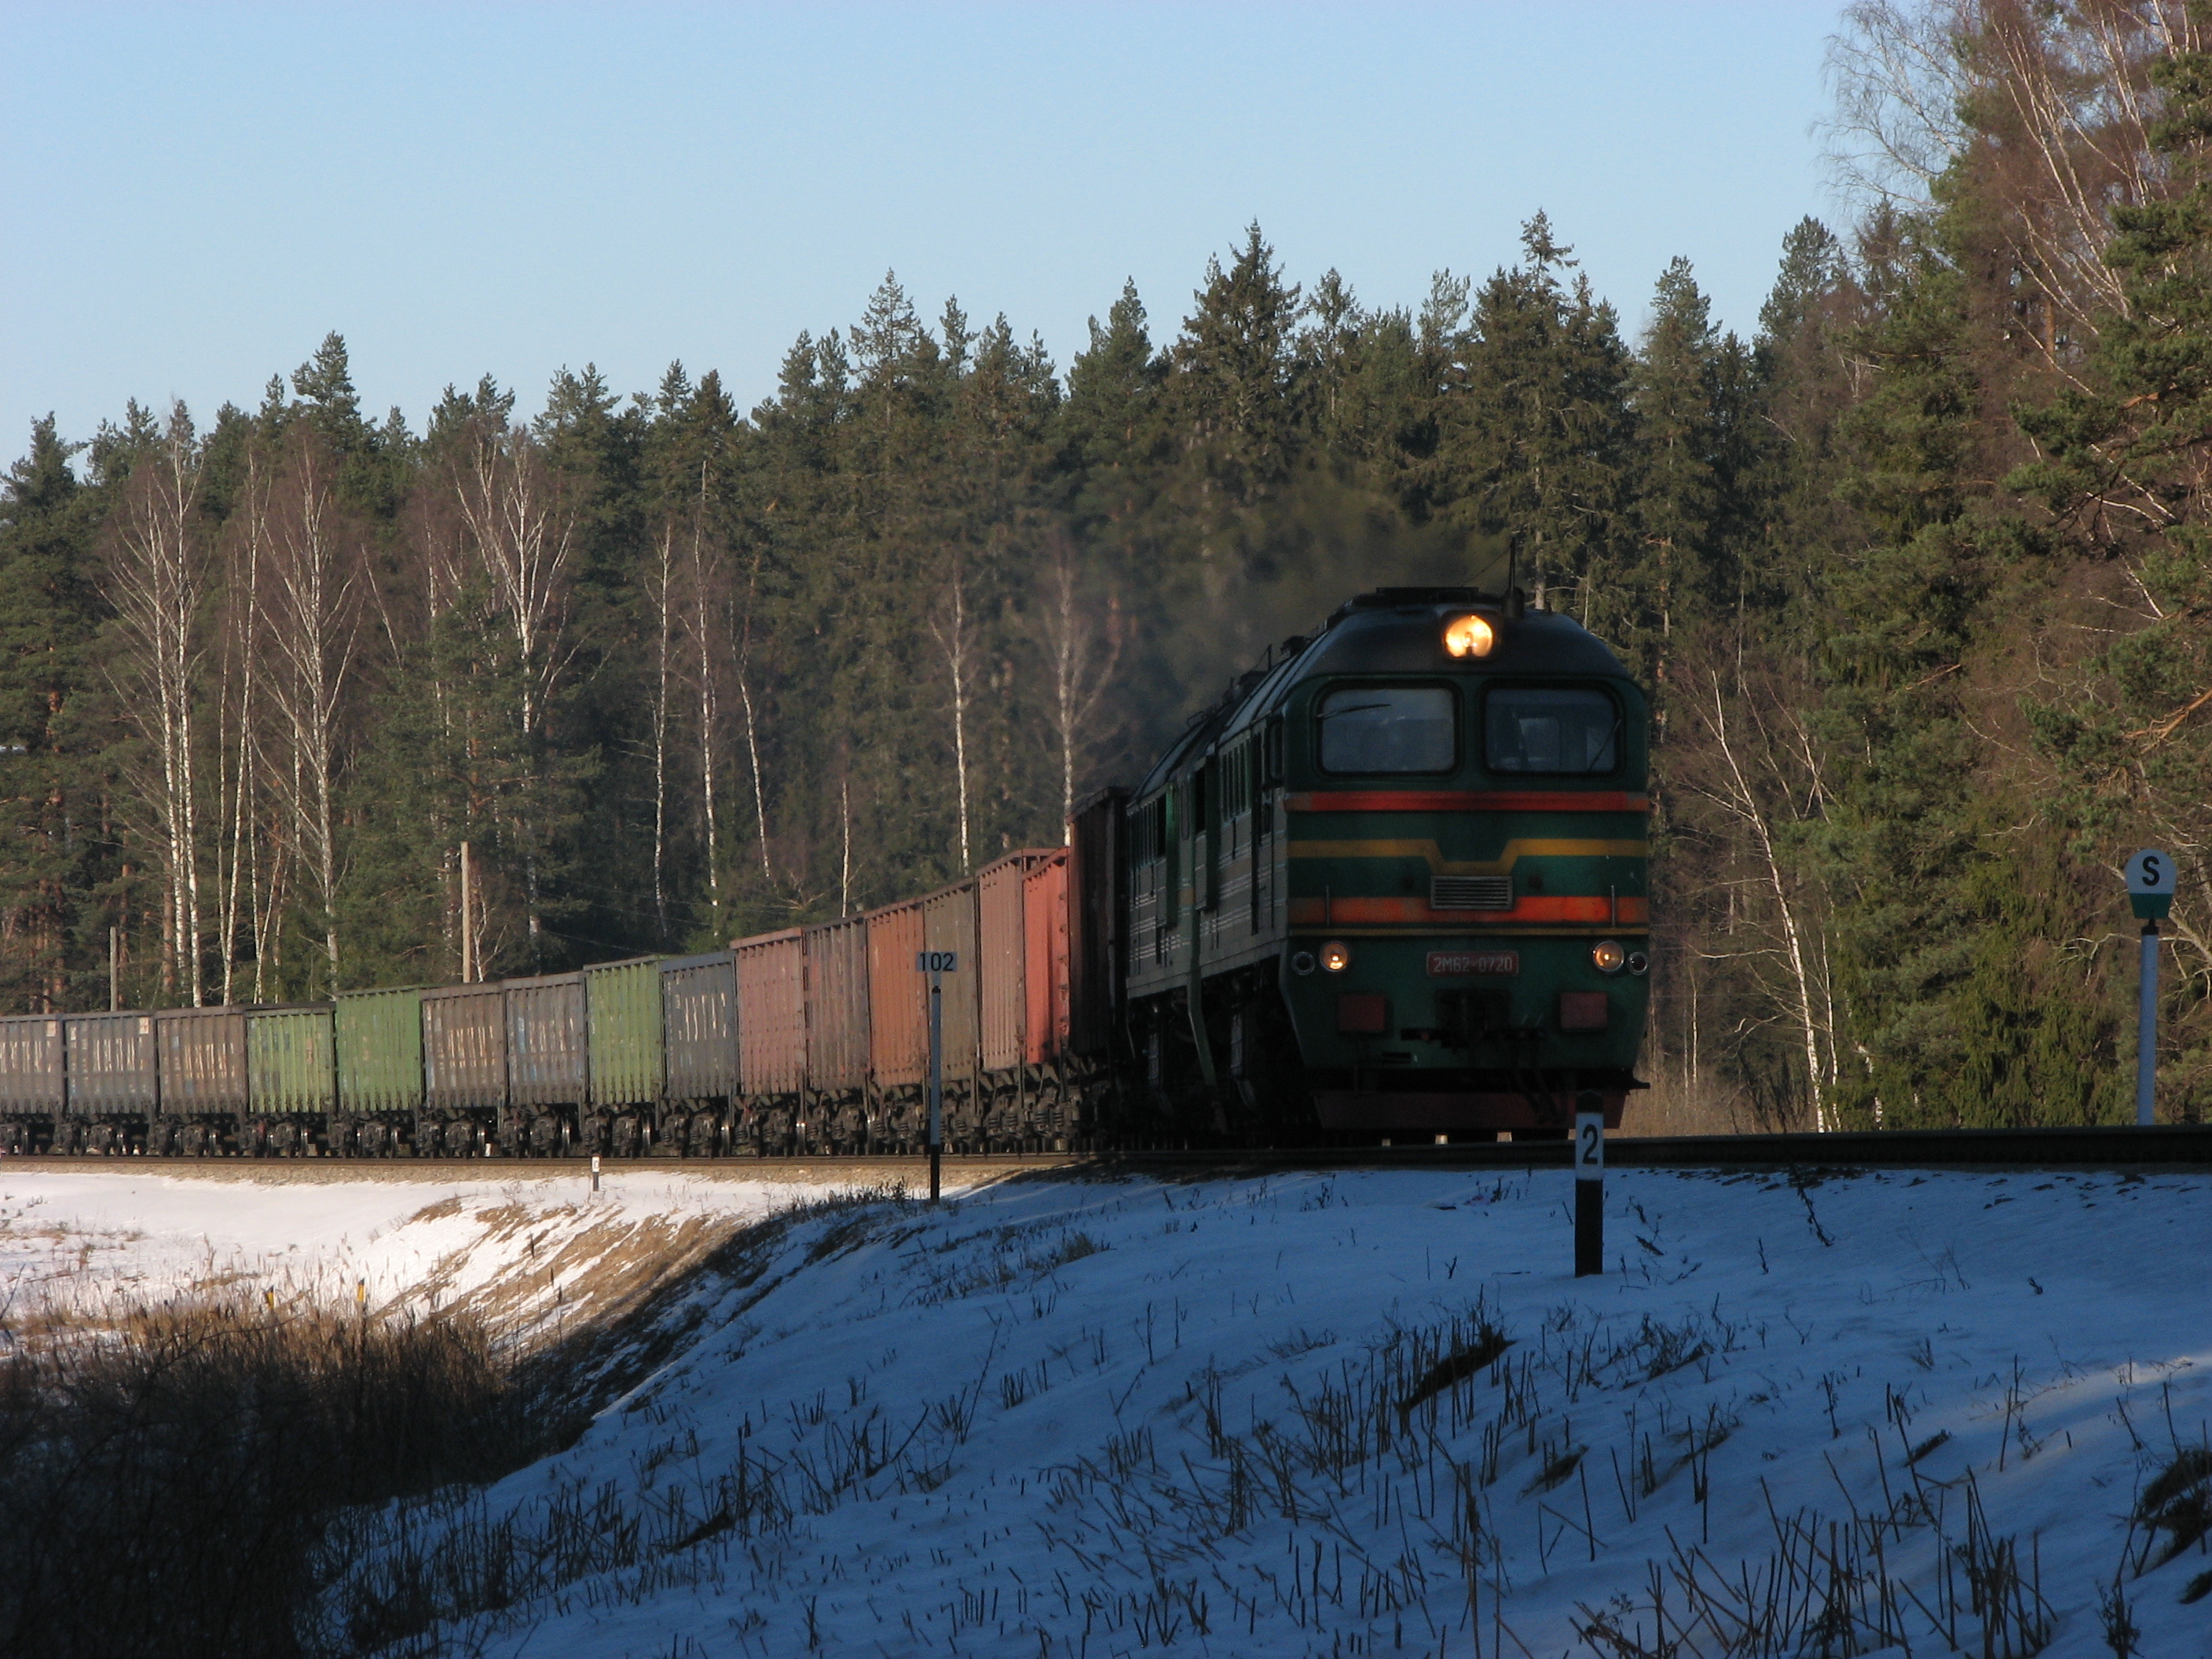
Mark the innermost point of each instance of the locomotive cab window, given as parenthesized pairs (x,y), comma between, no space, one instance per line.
(1559,730)
(1388,728)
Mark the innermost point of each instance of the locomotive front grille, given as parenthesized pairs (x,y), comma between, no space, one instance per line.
(1471,892)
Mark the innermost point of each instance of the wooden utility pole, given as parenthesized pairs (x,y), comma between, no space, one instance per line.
(468,928)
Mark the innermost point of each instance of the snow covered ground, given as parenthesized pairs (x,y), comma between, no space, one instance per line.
(538,1254)
(1358,1413)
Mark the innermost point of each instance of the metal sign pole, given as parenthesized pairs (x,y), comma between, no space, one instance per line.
(1590,1186)
(936,1082)
(2147,1031)
(937,964)
(2150,895)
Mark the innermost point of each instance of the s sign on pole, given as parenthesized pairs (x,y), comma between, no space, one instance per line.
(2150,895)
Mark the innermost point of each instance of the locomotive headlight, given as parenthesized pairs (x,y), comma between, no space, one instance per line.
(1607,956)
(1336,957)
(1469,636)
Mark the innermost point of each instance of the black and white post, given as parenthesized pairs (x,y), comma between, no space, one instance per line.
(936,964)
(1590,1186)
(2150,895)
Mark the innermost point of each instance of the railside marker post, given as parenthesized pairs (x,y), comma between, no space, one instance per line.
(936,964)
(595,1175)
(1589,1185)
(2150,895)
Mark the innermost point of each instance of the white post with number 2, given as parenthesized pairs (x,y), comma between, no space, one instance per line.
(1589,1192)
(2150,895)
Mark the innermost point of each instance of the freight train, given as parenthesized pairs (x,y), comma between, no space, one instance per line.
(1391,886)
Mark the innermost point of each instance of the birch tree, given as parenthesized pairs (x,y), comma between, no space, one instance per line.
(308,599)
(955,635)
(1752,761)
(157,583)
(1082,650)
(522,538)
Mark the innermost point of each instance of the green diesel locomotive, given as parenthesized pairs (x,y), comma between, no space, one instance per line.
(1394,883)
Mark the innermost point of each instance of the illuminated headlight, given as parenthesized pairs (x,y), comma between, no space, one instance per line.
(1469,636)
(1336,957)
(1608,956)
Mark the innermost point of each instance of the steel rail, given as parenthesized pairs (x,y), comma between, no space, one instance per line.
(2178,1147)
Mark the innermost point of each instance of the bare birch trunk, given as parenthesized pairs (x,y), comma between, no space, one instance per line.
(752,735)
(158,584)
(1081,673)
(312,625)
(702,633)
(524,540)
(661,577)
(955,639)
(1746,805)
(238,754)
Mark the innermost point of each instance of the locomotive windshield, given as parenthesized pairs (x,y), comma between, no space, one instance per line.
(1550,729)
(1388,728)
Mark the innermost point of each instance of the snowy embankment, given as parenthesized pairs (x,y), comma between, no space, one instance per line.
(1318,1413)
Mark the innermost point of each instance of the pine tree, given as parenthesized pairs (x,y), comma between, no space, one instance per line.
(1543,437)
(57,862)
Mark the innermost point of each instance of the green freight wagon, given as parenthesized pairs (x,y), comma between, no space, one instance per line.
(622,1001)
(291,1069)
(291,1061)
(379,1044)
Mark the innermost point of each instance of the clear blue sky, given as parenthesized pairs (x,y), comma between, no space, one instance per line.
(197,193)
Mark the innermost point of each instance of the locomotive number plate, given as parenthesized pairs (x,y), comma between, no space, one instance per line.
(1448,964)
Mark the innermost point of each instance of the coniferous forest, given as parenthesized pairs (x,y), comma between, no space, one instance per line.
(1920,574)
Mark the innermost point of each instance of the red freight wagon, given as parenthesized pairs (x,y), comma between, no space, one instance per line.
(898,997)
(772,1013)
(1044,960)
(1000,979)
(837,1006)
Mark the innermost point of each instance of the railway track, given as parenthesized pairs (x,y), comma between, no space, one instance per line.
(2119,1148)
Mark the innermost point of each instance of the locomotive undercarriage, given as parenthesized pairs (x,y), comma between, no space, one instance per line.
(1261,1093)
